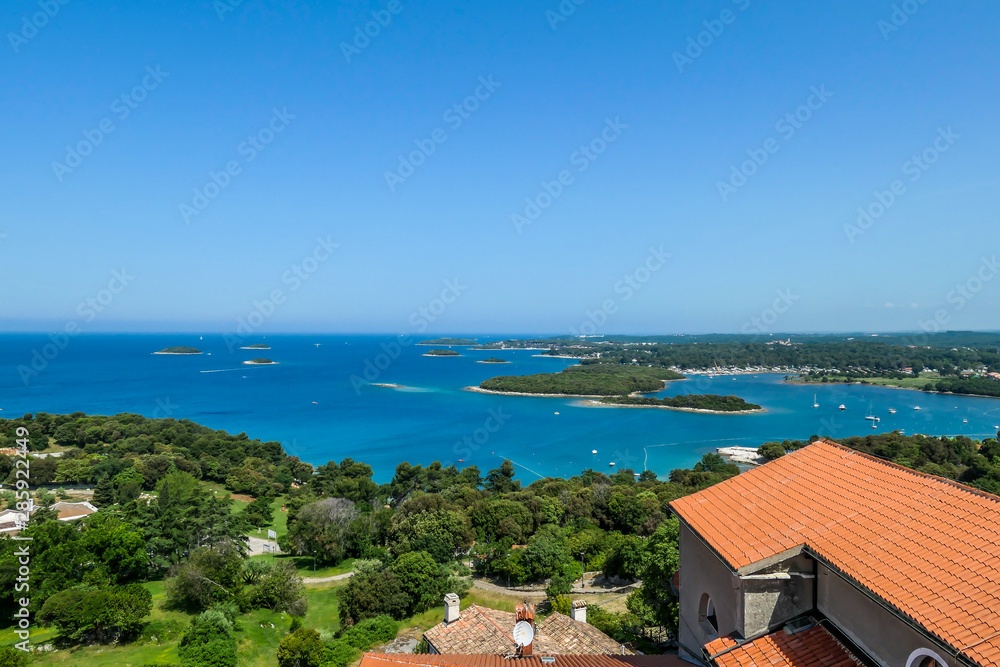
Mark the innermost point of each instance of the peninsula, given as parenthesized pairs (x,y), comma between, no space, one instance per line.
(180,349)
(584,380)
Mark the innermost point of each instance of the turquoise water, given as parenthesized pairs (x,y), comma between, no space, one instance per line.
(309,403)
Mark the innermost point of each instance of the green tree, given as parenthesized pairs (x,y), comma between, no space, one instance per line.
(371,595)
(209,576)
(302,648)
(501,480)
(209,641)
(771,450)
(104,493)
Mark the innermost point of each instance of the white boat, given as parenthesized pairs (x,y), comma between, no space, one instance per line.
(916,407)
(874,425)
(842,407)
(815,404)
(612,464)
(892,411)
(965,421)
(593,451)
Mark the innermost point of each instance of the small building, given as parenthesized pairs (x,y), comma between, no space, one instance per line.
(73,511)
(480,630)
(830,557)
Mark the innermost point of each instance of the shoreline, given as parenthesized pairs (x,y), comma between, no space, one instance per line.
(556,356)
(181,354)
(890,386)
(522,393)
(258,363)
(250,347)
(498,363)
(446,356)
(388,385)
(598,404)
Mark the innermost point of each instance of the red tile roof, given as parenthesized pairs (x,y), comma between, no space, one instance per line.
(481,630)
(926,545)
(397,659)
(814,647)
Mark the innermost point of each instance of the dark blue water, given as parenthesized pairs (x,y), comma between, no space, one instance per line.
(309,403)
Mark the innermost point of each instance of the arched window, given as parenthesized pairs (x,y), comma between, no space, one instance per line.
(707,617)
(923,657)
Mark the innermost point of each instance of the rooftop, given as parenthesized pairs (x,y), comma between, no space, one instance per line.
(928,546)
(814,647)
(397,659)
(480,630)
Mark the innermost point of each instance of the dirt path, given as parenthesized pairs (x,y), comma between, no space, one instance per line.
(594,586)
(324,580)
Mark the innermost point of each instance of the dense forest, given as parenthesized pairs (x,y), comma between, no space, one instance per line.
(712,402)
(586,380)
(163,486)
(870,355)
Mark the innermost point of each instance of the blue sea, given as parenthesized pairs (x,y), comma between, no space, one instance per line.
(310,403)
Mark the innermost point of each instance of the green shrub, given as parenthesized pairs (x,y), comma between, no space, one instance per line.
(371,632)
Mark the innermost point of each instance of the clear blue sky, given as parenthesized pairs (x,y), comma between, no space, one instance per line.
(655,185)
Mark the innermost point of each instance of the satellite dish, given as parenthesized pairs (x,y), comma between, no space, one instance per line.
(523,633)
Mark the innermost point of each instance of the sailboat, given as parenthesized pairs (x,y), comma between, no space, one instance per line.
(892,411)
(870,417)
(842,407)
(815,404)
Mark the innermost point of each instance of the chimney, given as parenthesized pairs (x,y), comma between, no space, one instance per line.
(578,612)
(451,613)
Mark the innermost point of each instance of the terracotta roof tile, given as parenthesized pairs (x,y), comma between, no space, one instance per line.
(814,647)
(928,546)
(480,630)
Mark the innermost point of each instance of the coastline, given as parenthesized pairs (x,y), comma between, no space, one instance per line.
(598,404)
(891,386)
(388,385)
(446,356)
(250,347)
(523,393)
(556,356)
(181,354)
(496,363)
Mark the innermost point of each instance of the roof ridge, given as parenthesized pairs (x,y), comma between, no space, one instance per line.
(891,464)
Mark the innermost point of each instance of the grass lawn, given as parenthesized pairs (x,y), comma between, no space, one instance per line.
(906,383)
(258,641)
(304,565)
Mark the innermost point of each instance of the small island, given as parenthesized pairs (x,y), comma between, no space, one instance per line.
(256,346)
(712,403)
(448,341)
(259,362)
(493,360)
(180,349)
(592,380)
(441,353)
(388,385)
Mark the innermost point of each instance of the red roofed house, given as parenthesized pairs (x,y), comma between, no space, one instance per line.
(830,557)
